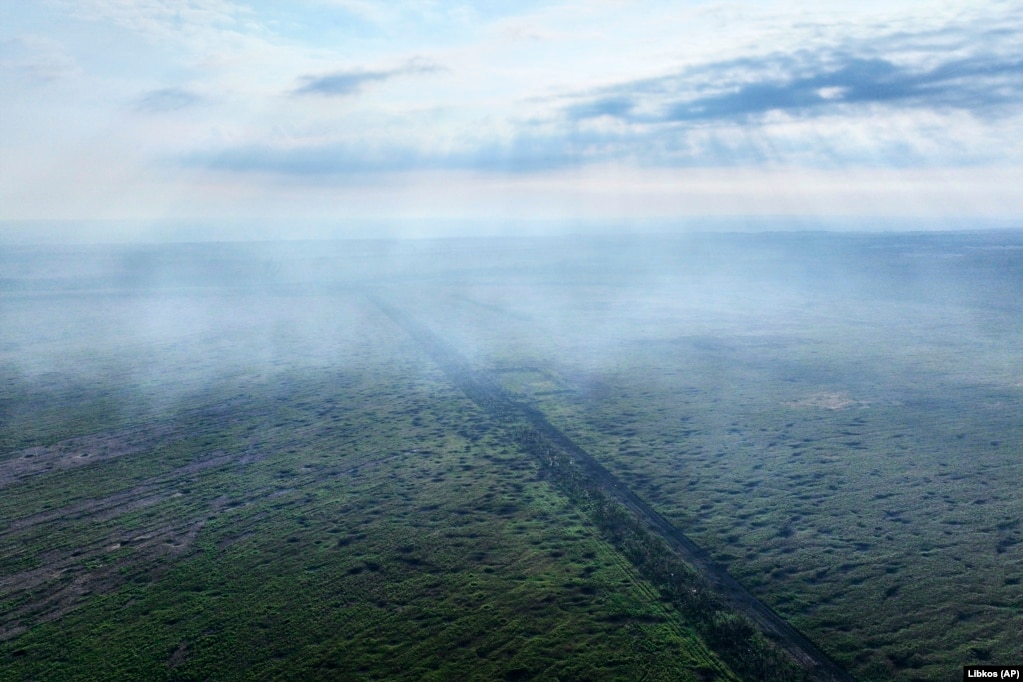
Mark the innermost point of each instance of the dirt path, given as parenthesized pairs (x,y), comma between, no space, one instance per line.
(502,405)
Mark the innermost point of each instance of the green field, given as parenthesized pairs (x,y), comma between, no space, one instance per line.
(233,464)
(359,519)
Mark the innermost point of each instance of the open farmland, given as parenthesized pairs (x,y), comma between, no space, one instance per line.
(231,461)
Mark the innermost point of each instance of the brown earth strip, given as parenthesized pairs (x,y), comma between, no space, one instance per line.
(21,465)
(64,579)
(80,451)
(46,593)
(147,493)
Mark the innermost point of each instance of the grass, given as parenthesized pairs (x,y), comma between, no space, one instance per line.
(855,469)
(282,484)
(356,521)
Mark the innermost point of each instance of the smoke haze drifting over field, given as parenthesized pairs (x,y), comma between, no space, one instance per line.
(416,115)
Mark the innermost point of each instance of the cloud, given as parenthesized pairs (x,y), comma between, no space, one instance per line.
(523,154)
(163,19)
(343,83)
(979,84)
(616,106)
(37,58)
(824,142)
(972,84)
(948,93)
(310,160)
(340,83)
(167,99)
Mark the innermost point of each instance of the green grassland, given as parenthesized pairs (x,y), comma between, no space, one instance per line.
(350,517)
(853,460)
(265,477)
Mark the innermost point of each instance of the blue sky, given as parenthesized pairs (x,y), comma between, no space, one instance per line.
(341,111)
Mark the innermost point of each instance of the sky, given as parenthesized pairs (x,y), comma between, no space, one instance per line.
(341,113)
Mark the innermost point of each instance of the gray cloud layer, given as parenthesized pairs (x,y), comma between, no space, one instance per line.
(521,155)
(342,83)
(167,99)
(711,114)
(978,84)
